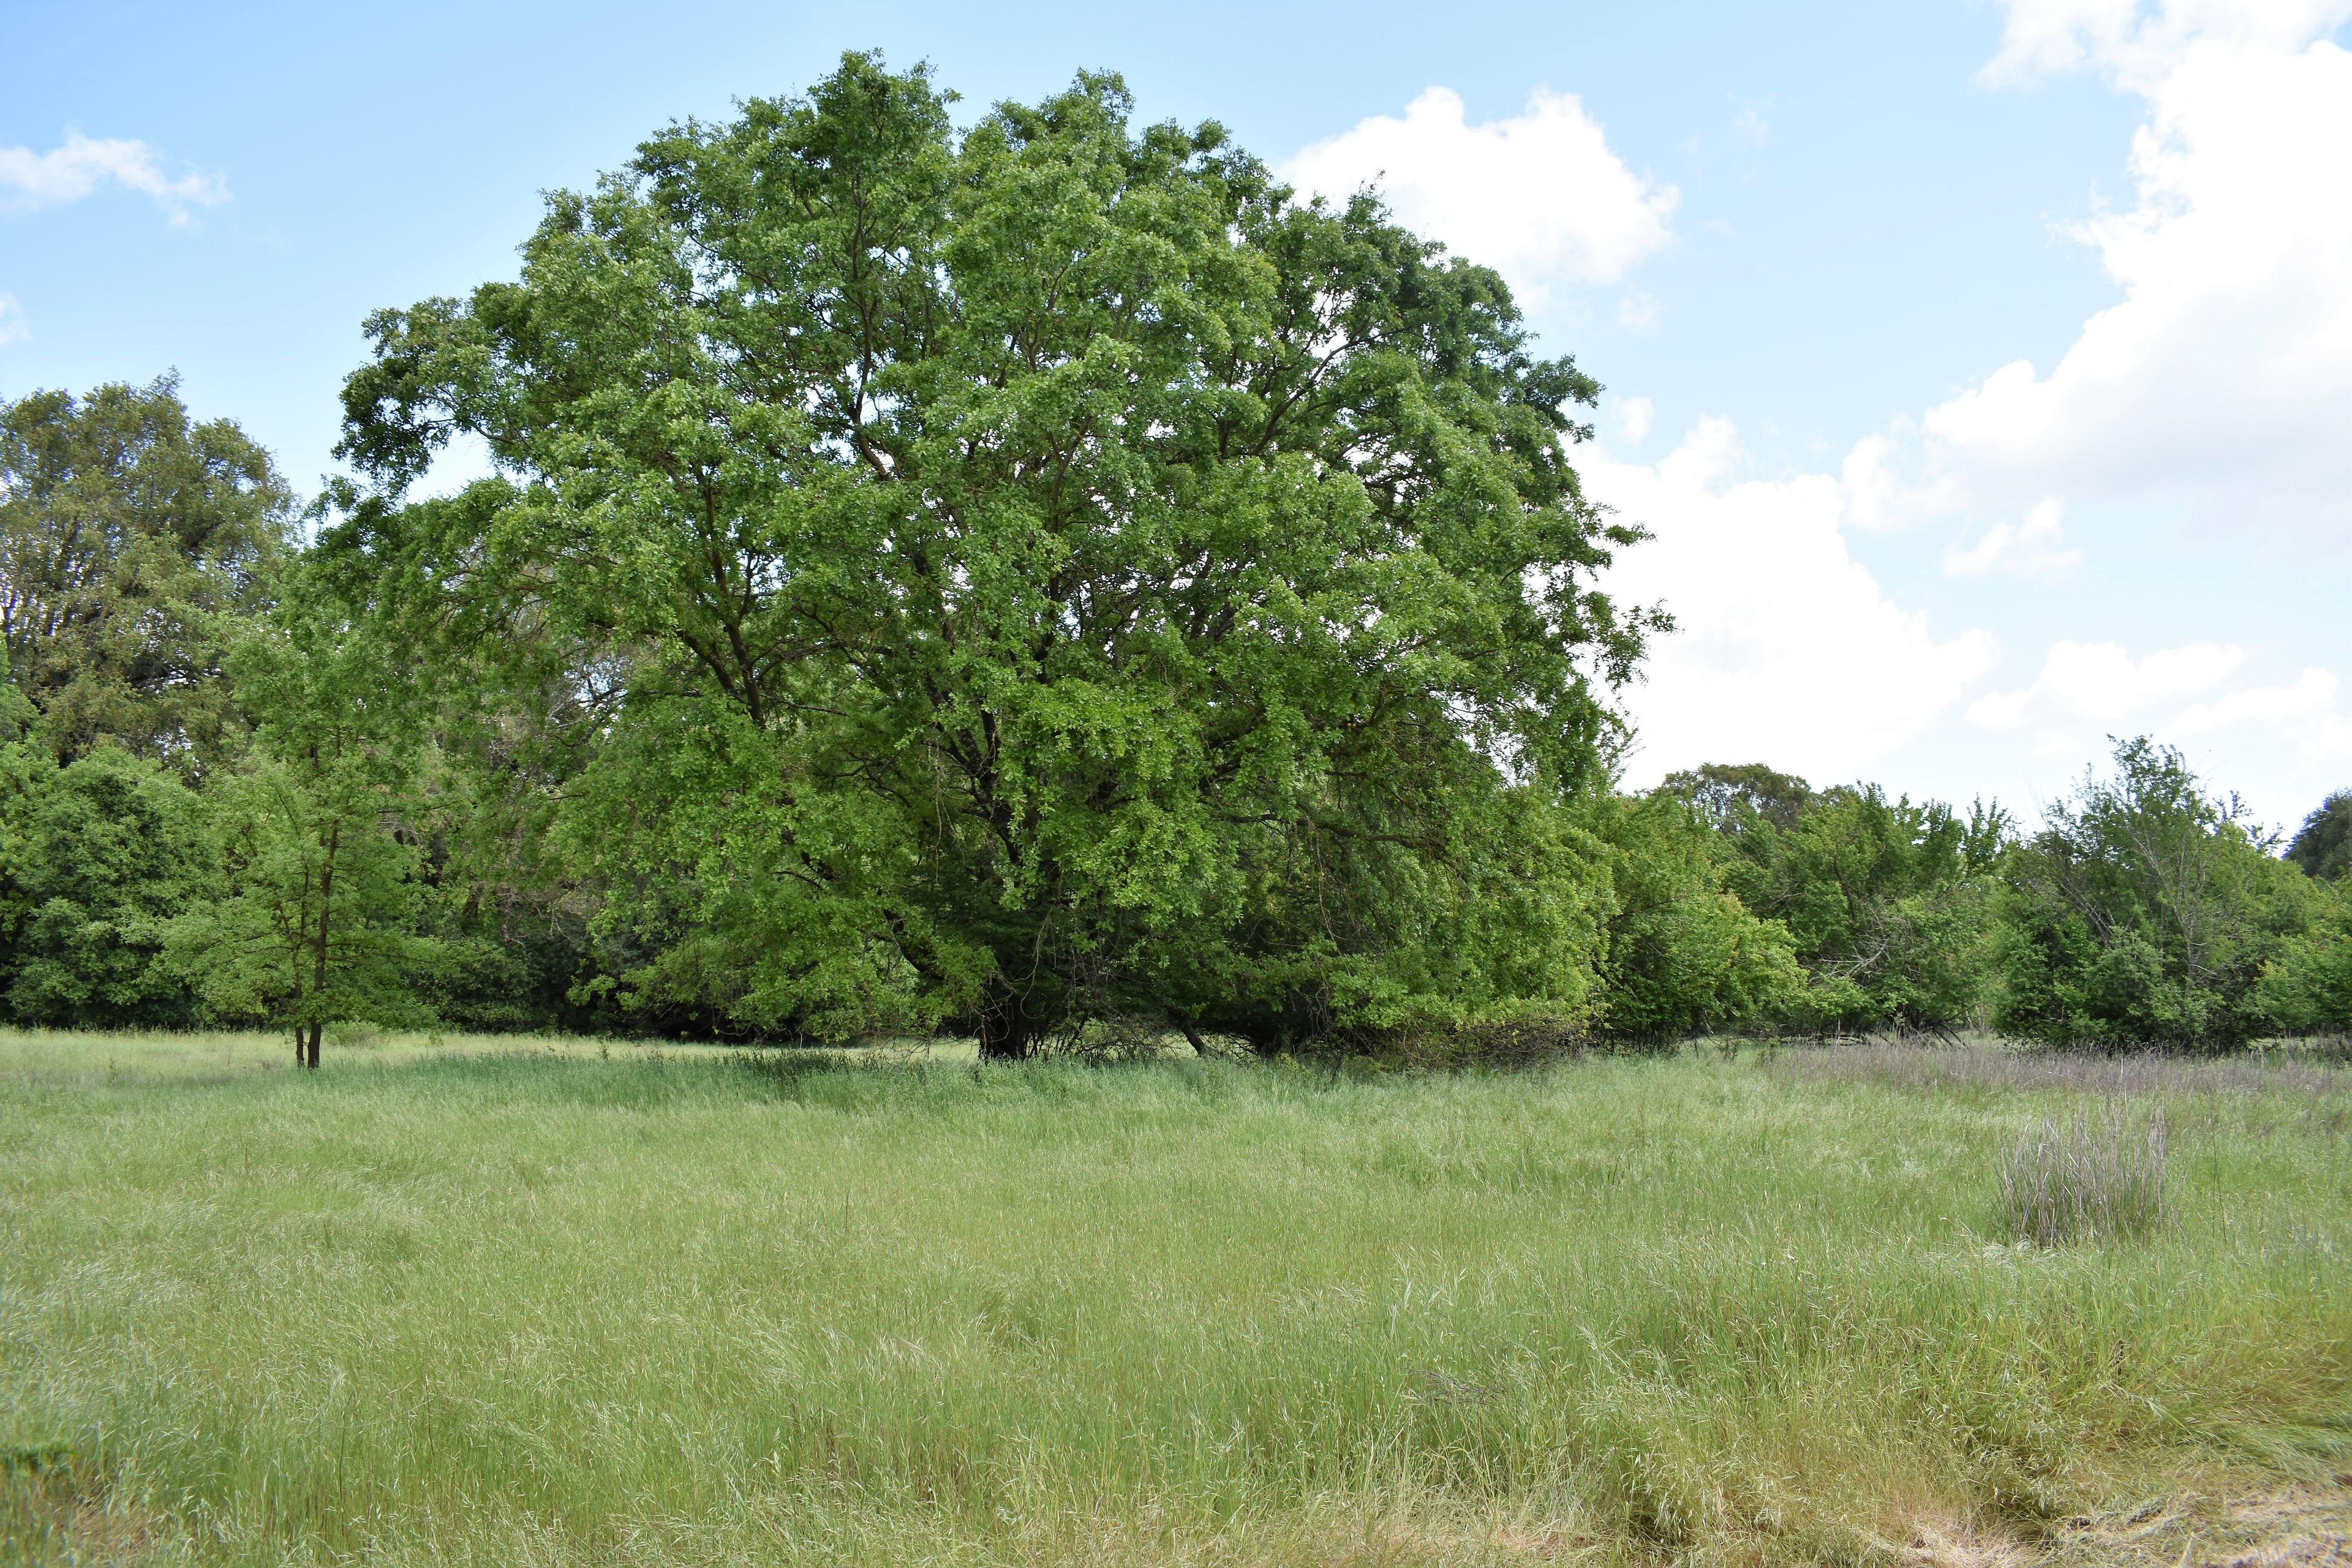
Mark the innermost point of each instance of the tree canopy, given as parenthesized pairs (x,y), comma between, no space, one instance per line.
(2323,846)
(128,538)
(1733,798)
(1041,575)
(1886,902)
(1039,579)
(2146,912)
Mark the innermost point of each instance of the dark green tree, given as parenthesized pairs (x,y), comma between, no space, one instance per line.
(94,858)
(1684,956)
(1731,796)
(1033,576)
(2323,846)
(132,543)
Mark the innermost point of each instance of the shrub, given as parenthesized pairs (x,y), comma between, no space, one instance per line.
(1494,1044)
(2085,1180)
(1685,955)
(2144,913)
(2307,988)
(94,858)
(1886,903)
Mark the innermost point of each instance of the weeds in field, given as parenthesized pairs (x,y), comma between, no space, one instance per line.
(2085,1179)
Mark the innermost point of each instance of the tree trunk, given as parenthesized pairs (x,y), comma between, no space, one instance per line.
(319,948)
(1191,1036)
(1007,1034)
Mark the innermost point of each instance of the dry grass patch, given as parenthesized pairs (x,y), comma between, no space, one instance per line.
(2128,1075)
(2085,1179)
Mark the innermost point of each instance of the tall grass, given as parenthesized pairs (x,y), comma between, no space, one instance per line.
(587,1304)
(2085,1179)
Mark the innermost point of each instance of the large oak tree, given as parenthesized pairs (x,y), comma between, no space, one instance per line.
(1041,575)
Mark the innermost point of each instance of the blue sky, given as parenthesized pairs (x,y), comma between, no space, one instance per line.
(1984,368)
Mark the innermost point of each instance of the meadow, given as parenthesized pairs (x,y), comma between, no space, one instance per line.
(499,1301)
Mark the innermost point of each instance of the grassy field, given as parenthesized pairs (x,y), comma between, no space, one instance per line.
(498,1302)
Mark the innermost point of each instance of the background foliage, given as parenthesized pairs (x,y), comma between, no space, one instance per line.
(1035,581)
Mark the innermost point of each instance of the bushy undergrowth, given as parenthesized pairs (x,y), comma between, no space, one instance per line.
(578,1303)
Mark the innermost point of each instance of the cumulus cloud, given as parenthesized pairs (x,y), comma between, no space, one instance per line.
(1635,418)
(2224,373)
(30,181)
(2285,735)
(2045,38)
(2312,697)
(1790,651)
(11,322)
(2221,377)
(1540,197)
(2100,684)
(2035,547)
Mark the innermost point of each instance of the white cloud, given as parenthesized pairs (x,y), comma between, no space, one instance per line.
(2312,696)
(2034,548)
(12,328)
(2224,374)
(2221,378)
(1540,197)
(1789,652)
(2100,685)
(2283,739)
(2329,736)
(1750,127)
(30,181)
(1635,418)
(2134,39)
(1880,490)
(2045,37)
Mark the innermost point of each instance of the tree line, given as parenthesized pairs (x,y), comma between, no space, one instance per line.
(1039,581)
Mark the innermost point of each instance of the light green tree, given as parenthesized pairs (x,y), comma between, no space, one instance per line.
(1890,902)
(318,919)
(2306,989)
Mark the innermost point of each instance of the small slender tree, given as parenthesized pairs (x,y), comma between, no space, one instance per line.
(316,926)
(318,920)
